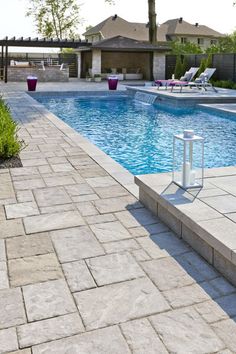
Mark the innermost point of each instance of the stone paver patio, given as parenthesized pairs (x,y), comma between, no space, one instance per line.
(85,268)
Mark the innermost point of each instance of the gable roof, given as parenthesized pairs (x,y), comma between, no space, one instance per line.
(120,43)
(115,25)
(180,27)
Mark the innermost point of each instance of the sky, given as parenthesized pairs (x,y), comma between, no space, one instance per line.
(217,14)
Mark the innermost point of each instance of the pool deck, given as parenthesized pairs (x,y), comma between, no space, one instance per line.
(85,267)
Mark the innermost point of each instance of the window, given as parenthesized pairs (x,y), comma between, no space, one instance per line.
(200,41)
(213,41)
(183,40)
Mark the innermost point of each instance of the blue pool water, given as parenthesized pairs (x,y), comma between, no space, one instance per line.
(140,136)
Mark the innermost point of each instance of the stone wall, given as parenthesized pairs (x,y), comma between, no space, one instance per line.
(159,66)
(49,74)
(96,61)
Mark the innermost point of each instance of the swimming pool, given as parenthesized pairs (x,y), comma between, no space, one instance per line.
(139,136)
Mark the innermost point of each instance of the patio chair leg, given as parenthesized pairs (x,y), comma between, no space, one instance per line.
(214,89)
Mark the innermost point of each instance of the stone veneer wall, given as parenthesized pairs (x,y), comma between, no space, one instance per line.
(159,66)
(49,74)
(96,61)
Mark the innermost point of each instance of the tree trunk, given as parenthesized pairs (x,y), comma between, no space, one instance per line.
(152,22)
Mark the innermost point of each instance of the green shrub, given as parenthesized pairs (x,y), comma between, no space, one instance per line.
(10,145)
(202,66)
(178,67)
(185,65)
(209,61)
(224,84)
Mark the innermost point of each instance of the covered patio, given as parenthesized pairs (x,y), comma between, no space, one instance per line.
(130,59)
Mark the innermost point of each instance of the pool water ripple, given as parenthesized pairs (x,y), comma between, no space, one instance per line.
(140,136)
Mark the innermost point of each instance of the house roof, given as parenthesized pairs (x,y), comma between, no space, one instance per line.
(180,27)
(120,43)
(116,25)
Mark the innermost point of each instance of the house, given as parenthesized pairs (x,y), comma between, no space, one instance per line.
(122,47)
(176,29)
(180,30)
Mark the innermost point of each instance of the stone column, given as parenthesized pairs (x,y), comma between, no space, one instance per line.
(96,61)
(78,54)
(159,66)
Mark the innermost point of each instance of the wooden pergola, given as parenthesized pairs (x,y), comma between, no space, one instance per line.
(35,43)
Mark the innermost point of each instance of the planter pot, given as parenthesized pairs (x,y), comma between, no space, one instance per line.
(97,79)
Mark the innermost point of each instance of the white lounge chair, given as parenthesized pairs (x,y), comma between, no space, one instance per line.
(201,82)
(188,76)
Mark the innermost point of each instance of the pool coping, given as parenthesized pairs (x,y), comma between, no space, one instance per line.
(209,231)
(149,193)
(190,98)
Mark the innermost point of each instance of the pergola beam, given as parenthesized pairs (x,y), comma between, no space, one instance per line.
(35,43)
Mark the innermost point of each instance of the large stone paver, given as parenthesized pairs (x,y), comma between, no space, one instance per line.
(111,205)
(86,208)
(102,341)
(186,296)
(114,268)
(183,331)
(75,244)
(6,191)
(192,261)
(142,338)
(144,216)
(2,251)
(8,340)
(29,184)
(226,331)
(163,245)
(111,191)
(79,189)
(167,274)
(11,228)
(110,231)
(131,299)
(4,282)
(49,299)
(47,222)
(51,196)
(101,218)
(23,351)
(211,311)
(123,245)
(26,246)
(78,276)
(106,181)
(12,308)
(29,270)
(21,210)
(48,330)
